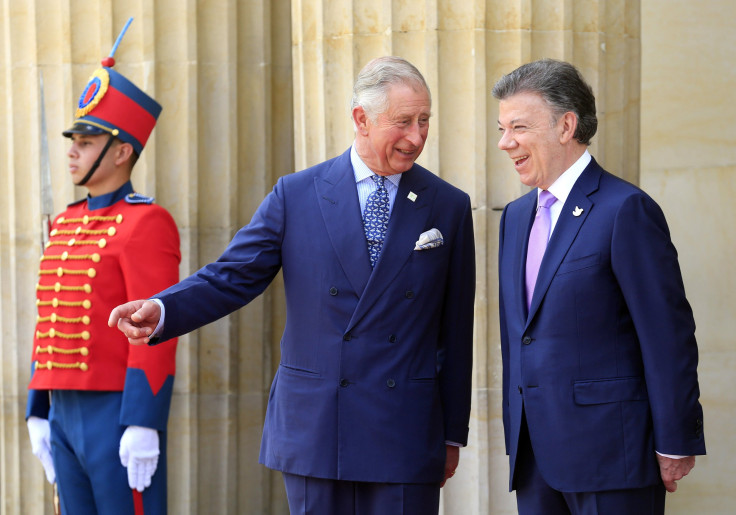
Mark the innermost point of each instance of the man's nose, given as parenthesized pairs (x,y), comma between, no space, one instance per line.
(506,142)
(416,134)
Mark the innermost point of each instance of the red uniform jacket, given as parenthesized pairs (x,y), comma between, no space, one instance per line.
(94,261)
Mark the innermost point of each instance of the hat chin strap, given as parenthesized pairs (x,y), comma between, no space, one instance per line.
(97,163)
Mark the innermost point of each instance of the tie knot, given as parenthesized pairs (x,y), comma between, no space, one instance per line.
(379,180)
(546,199)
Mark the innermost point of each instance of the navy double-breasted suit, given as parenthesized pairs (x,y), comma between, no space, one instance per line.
(604,362)
(375,370)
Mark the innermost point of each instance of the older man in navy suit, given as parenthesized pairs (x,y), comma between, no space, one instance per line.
(600,400)
(371,399)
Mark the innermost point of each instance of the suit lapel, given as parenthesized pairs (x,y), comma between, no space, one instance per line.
(568,225)
(528,209)
(408,219)
(337,196)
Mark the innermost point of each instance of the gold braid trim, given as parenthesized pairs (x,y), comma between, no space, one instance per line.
(53,333)
(59,287)
(84,351)
(64,256)
(87,219)
(52,364)
(86,304)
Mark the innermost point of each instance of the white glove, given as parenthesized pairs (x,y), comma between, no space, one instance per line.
(40,433)
(139,453)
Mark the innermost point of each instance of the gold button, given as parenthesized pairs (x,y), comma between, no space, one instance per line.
(37,286)
(85,335)
(53,232)
(50,349)
(83,367)
(64,255)
(84,351)
(38,334)
(85,219)
(111,231)
(38,349)
(96,257)
(78,230)
(87,288)
(53,317)
(71,242)
(85,320)
(38,302)
(38,318)
(91,272)
(119,219)
(102,243)
(49,365)
(52,332)
(55,302)
(86,304)
(57,287)
(60,272)
(47,245)
(60,220)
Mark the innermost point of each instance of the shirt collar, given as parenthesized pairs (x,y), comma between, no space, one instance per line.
(362,172)
(562,187)
(108,199)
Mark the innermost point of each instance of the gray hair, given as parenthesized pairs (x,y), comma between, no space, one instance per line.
(561,85)
(374,81)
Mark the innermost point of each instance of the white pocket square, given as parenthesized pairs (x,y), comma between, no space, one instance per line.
(429,240)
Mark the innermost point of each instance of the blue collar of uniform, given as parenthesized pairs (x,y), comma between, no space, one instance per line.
(108,199)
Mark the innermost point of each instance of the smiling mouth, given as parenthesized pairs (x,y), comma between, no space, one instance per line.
(519,160)
(406,152)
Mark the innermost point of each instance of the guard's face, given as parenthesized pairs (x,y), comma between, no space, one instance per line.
(397,137)
(83,152)
(532,138)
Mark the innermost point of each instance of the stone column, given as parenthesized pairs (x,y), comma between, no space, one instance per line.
(221,70)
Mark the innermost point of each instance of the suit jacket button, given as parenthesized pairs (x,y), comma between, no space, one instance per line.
(343,382)
(526,340)
(390,383)
(347,337)
(409,294)
(333,291)
(392,338)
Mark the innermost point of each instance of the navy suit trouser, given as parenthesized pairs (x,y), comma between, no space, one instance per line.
(535,497)
(315,496)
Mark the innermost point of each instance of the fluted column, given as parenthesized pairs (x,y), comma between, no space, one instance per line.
(221,70)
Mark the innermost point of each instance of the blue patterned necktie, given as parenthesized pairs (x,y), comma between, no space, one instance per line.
(375,218)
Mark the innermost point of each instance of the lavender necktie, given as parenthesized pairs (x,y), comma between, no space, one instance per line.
(538,238)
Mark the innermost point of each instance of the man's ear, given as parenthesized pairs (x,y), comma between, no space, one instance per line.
(568,124)
(360,120)
(123,153)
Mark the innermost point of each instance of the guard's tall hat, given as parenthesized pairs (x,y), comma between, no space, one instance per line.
(111,104)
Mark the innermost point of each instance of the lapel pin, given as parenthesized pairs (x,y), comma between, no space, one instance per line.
(412,196)
(577,211)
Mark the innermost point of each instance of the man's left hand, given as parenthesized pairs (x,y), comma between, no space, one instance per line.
(451,462)
(672,470)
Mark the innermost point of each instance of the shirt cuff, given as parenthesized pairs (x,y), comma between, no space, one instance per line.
(160,327)
(454,444)
(671,456)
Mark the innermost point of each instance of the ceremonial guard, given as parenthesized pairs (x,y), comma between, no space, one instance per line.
(97,406)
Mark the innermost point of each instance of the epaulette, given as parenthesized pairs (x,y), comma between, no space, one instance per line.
(77,202)
(138,198)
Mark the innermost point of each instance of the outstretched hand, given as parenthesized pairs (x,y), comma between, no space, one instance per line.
(672,470)
(136,319)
